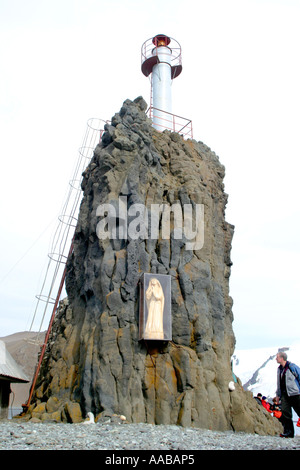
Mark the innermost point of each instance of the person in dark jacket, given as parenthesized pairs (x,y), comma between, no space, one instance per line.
(288,391)
(258,398)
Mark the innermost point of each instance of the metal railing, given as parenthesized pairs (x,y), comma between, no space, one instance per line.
(171,122)
(150,53)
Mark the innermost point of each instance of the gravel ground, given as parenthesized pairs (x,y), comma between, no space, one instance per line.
(16,435)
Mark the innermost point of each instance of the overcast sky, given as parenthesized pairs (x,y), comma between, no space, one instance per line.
(63,62)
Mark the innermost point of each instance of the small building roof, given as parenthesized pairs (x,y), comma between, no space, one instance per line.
(9,369)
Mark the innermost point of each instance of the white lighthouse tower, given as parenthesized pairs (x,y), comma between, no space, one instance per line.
(161,57)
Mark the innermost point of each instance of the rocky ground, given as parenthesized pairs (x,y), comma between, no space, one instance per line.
(16,435)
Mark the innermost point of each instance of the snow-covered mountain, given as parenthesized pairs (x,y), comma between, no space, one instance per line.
(257,369)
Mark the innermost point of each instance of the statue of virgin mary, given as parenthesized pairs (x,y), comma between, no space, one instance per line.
(155,303)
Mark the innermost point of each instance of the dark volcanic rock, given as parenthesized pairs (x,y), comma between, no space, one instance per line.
(94,357)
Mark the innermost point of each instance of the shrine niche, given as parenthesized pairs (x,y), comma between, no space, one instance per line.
(155,320)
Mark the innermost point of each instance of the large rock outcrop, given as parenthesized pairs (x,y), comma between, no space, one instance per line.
(94,357)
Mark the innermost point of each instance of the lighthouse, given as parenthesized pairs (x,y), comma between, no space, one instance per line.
(161,57)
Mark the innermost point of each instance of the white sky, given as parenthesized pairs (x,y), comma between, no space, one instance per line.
(65,61)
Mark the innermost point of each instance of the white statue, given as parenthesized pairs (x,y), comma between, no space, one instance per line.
(155,303)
